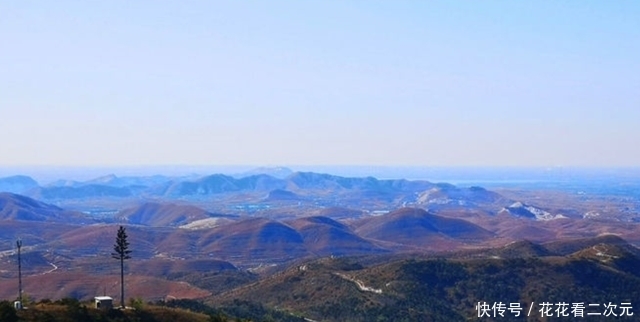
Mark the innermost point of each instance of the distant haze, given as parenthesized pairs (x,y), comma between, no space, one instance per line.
(383,83)
(464,176)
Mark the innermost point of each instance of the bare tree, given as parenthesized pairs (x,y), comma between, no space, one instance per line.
(121,252)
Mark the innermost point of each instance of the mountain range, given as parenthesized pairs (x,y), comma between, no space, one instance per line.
(318,246)
(265,195)
(184,230)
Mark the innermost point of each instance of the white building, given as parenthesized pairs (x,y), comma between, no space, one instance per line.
(103,302)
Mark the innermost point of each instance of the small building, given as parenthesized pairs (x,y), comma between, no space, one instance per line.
(103,302)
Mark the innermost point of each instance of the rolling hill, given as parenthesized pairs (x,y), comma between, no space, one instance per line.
(417,227)
(162,214)
(18,207)
(324,236)
(253,240)
(447,195)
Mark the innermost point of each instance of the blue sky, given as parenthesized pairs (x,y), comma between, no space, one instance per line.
(418,83)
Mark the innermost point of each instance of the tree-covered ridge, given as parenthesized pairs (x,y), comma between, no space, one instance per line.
(454,289)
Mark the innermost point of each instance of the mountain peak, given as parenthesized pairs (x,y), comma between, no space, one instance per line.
(17,184)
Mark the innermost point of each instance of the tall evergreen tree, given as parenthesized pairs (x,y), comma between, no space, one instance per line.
(121,252)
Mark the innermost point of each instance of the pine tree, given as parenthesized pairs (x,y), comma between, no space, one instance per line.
(121,252)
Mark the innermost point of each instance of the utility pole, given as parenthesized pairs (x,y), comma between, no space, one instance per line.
(19,245)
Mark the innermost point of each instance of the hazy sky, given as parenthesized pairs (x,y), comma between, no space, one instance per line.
(426,83)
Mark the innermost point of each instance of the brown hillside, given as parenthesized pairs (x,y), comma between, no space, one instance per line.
(253,240)
(83,286)
(146,242)
(31,232)
(18,207)
(340,213)
(417,227)
(325,236)
(161,215)
(165,267)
